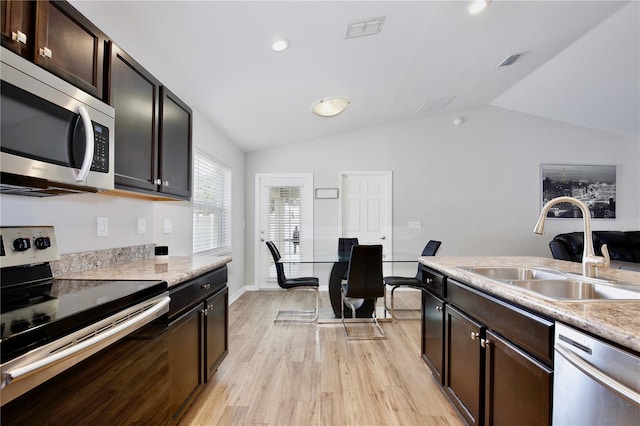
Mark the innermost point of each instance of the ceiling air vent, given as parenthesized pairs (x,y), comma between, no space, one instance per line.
(510,60)
(367,27)
(435,104)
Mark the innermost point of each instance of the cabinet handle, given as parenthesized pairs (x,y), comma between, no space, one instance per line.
(205,286)
(485,343)
(439,308)
(428,281)
(46,52)
(166,183)
(474,335)
(158,182)
(19,36)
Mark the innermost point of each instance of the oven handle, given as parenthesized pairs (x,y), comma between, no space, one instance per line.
(88,150)
(608,382)
(114,333)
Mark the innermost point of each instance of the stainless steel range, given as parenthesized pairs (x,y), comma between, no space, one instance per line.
(72,335)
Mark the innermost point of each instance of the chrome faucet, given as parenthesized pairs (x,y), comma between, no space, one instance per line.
(590,262)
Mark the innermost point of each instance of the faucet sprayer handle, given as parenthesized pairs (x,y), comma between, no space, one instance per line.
(605,255)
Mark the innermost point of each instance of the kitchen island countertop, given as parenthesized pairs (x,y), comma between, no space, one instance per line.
(614,320)
(176,270)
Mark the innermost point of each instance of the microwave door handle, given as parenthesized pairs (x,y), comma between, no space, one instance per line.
(81,174)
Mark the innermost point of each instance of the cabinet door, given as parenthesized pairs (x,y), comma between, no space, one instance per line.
(18,26)
(70,46)
(464,363)
(184,358)
(518,388)
(216,326)
(134,93)
(175,146)
(433,333)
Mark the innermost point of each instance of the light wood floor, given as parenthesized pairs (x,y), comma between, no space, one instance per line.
(293,374)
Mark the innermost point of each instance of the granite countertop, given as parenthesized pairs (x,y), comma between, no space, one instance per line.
(174,271)
(617,321)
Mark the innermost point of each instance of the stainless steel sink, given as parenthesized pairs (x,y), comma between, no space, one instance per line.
(559,285)
(517,273)
(576,290)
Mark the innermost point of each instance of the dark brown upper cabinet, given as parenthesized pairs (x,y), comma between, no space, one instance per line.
(18,19)
(70,46)
(153,132)
(58,38)
(135,95)
(175,146)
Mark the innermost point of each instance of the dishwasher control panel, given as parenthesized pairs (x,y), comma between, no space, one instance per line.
(25,245)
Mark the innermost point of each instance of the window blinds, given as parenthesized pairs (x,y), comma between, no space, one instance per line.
(283,207)
(211,204)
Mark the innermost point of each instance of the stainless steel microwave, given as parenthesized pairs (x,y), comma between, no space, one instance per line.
(54,138)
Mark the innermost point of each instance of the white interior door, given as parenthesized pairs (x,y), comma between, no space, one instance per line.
(366,209)
(284,215)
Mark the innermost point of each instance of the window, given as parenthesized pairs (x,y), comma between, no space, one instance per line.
(211,204)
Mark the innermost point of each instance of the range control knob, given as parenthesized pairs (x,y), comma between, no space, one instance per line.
(21,244)
(42,243)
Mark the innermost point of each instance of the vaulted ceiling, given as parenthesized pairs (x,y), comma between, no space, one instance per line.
(579,61)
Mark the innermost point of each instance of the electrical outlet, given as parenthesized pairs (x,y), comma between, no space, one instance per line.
(415,225)
(103,226)
(142,226)
(167,226)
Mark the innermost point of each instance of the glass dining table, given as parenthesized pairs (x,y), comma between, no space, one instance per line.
(338,270)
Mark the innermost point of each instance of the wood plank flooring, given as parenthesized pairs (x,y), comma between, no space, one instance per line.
(308,374)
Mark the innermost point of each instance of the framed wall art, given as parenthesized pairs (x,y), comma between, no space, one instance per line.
(595,185)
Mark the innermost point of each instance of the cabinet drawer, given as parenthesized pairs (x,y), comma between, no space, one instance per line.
(529,331)
(434,282)
(196,290)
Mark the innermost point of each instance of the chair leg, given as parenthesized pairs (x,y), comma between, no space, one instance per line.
(308,316)
(373,320)
(393,309)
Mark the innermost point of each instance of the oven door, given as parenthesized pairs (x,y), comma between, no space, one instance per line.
(123,384)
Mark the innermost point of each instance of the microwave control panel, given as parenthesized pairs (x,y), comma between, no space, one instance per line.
(100,149)
(25,245)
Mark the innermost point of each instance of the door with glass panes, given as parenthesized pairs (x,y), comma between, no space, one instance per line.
(284,215)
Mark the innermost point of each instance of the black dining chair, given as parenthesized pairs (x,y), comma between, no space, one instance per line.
(364,281)
(293,284)
(344,250)
(412,282)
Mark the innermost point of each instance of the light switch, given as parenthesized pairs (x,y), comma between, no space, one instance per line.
(103,226)
(142,226)
(167,226)
(415,225)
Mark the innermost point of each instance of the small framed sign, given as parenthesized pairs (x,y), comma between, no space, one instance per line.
(326,193)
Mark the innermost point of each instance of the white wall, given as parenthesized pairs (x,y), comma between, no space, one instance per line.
(475,187)
(74,216)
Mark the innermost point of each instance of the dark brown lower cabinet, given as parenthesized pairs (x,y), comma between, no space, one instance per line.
(184,359)
(215,328)
(517,387)
(433,333)
(493,358)
(464,364)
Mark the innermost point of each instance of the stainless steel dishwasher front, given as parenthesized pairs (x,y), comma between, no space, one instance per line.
(595,382)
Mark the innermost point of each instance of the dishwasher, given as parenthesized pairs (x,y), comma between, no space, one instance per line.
(595,382)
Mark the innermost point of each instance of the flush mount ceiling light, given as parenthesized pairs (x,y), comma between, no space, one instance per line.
(330,107)
(477,6)
(280,44)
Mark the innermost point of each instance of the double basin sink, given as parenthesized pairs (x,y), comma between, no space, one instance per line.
(559,285)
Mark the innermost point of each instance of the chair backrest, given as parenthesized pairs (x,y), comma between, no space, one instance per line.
(429,250)
(365,272)
(344,247)
(276,260)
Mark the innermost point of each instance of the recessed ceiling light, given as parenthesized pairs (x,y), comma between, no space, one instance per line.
(330,107)
(477,6)
(280,44)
